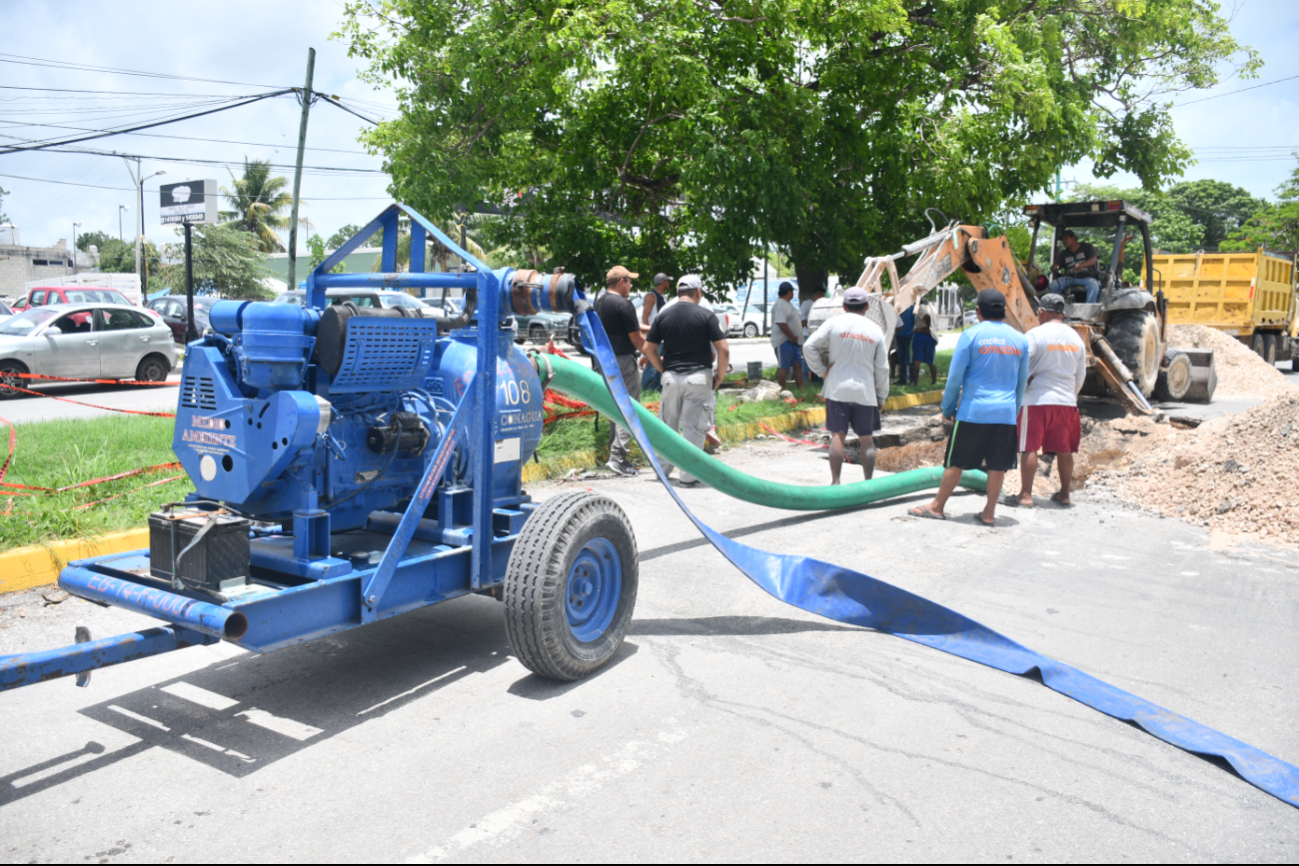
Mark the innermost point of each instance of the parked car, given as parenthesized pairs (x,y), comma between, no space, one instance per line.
(86,341)
(541,327)
(173,311)
(43,296)
(5,310)
(361,298)
(970,318)
(448,308)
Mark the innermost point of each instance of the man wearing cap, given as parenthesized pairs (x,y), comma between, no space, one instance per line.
(786,335)
(1048,421)
(985,388)
(689,333)
(618,317)
(1075,265)
(850,352)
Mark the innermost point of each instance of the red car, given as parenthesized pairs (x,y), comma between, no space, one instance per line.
(42,296)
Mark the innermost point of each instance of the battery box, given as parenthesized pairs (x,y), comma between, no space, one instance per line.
(218,563)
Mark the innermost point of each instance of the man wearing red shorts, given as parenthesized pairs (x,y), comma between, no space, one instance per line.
(1048,421)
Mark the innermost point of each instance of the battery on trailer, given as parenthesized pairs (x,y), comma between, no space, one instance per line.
(216,564)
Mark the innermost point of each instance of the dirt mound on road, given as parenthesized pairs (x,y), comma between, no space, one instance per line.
(1241,373)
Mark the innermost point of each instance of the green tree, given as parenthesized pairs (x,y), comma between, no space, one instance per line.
(1274,226)
(678,134)
(319,252)
(342,236)
(258,203)
(95,239)
(227,262)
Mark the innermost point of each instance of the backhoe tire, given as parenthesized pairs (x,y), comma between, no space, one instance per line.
(1134,336)
(1175,382)
(570,586)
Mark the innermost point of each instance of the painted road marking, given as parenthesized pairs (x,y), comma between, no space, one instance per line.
(200,696)
(287,727)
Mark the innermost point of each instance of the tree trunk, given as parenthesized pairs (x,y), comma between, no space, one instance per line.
(810,277)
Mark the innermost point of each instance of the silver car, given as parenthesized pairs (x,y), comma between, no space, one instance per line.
(84,341)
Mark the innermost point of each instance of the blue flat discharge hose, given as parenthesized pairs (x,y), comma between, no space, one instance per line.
(848,596)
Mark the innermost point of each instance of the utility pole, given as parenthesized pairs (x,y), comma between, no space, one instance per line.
(191,333)
(136,179)
(75,226)
(297,172)
(120,208)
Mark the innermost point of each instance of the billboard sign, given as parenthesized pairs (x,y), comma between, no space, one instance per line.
(192,201)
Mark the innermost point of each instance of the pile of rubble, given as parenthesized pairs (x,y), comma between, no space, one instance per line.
(1241,373)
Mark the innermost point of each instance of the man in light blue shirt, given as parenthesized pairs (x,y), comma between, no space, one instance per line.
(985,388)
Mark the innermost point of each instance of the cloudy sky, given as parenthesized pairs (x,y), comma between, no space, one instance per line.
(1245,139)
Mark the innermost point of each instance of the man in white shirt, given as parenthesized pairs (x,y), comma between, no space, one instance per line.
(786,335)
(805,313)
(1048,420)
(850,352)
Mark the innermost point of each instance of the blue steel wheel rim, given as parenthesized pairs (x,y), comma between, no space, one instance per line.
(593,589)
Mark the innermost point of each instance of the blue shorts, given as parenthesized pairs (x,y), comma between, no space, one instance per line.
(922,347)
(788,356)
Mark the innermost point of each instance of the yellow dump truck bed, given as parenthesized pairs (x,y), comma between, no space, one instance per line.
(1237,293)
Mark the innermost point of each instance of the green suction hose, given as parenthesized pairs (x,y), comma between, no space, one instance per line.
(577,381)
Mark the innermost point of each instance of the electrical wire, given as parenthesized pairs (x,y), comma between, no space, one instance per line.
(1234,92)
(132,189)
(26,60)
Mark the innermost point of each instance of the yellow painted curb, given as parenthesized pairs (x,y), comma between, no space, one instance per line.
(28,567)
(910,401)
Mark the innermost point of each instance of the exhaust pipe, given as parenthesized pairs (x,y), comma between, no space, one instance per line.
(210,619)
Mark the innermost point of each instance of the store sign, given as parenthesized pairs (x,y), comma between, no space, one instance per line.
(193,202)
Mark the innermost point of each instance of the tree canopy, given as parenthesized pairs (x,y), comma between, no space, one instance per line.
(1274,226)
(677,134)
(226,261)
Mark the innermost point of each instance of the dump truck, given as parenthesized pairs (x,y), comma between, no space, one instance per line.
(1249,295)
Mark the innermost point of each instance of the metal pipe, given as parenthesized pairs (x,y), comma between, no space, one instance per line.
(30,668)
(220,622)
(398,281)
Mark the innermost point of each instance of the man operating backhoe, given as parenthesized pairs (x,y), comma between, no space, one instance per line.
(1076,265)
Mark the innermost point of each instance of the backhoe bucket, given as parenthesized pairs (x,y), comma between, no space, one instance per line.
(1204,377)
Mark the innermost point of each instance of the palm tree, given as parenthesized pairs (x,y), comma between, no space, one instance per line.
(258,203)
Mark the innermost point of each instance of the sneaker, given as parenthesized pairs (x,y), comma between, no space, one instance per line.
(694,483)
(622,468)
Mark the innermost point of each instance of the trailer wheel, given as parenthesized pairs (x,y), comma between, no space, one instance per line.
(1134,337)
(570,586)
(1175,382)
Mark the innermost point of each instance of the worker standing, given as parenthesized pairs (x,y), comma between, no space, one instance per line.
(690,333)
(618,317)
(786,335)
(1049,420)
(1076,265)
(985,388)
(923,344)
(805,314)
(906,329)
(850,352)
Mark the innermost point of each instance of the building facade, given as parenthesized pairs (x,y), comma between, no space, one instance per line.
(20,265)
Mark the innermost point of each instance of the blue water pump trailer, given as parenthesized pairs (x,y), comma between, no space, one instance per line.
(354,463)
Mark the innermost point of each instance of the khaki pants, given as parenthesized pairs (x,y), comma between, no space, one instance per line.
(687,408)
(620,442)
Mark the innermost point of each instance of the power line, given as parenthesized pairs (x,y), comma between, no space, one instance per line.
(106,133)
(324,168)
(287,144)
(132,189)
(329,100)
(1233,92)
(105,92)
(84,67)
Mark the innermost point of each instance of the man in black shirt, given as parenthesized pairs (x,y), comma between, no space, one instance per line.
(619,319)
(692,334)
(1076,265)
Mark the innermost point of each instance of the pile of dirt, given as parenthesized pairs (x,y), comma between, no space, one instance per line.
(1239,473)
(1241,372)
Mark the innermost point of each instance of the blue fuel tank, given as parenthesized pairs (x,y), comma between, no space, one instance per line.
(519,411)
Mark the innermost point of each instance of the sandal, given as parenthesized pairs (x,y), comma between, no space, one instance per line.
(925,513)
(990,525)
(1055,497)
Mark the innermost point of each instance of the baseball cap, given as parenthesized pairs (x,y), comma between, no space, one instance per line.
(690,282)
(784,288)
(1052,302)
(661,277)
(856,297)
(992,301)
(617,272)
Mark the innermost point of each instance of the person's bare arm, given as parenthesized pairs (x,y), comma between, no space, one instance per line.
(637,340)
(651,351)
(647,308)
(723,350)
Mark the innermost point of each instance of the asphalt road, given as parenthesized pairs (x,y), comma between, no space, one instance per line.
(729,727)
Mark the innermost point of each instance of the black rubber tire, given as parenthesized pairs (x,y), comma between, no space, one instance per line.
(1175,382)
(152,368)
(1134,336)
(1269,349)
(750,331)
(7,368)
(536,585)
(538,335)
(1257,345)
(575,336)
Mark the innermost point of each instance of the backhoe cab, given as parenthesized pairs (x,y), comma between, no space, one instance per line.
(1127,321)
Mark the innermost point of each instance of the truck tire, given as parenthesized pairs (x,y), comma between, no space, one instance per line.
(1174,382)
(1134,336)
(1257,345)
(1269,349)
(570,586)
